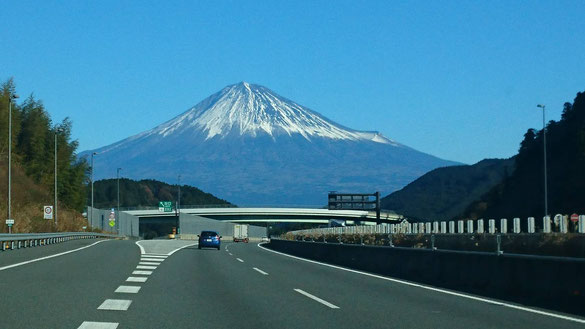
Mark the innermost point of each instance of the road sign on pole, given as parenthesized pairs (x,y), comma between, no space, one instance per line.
(574,218)
(165,206)
(10,222)
(48,212)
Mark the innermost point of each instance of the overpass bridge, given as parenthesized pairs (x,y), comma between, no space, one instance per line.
(135,222)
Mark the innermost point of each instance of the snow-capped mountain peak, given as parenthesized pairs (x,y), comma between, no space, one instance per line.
(249,109)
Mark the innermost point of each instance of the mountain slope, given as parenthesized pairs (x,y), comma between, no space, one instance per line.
(148,192)
(445,193)
(522,194)
(251,146)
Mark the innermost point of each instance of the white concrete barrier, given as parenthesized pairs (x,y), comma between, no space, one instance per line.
(460,228)
(428,228)
(546,224)
(582,224)
(492,226)
(451,227)
(443,227)
(480,227)
(531,225)
(516,225)
(435,227)
(469,226)
(504,225)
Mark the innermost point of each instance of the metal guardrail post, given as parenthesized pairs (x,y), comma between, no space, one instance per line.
(433,242)
(499,244)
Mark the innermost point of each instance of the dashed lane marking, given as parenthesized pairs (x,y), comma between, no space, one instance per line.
(115,305)
(98,325)
(240,260)
(128,289)
(136,279)
(151,260)
(259,271)
(142,272)
(154,256)
(315,298)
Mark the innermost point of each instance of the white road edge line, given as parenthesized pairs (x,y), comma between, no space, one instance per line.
(240,260)
(48,257)
(142,251)
(260,271)
(315,298)
(183,247)
(485,300)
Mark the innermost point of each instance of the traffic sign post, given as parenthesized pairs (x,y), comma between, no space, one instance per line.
(165,206)
(574,218)
(112,218)
(10,222)
(48,212)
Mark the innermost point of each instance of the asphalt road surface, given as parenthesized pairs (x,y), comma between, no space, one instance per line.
(172,284)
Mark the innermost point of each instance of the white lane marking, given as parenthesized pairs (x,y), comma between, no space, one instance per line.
(189,245)
(485,300)
(143,267)
(47,257)
(154,256)
(142,251)
(142,272)
(231,254)
(136,279)
(115,305)
(148,263)
(151,260)
(259,271)
(128,289)
(98,325)
(240,260)
(315,298)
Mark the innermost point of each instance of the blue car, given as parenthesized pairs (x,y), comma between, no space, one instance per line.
(209,239)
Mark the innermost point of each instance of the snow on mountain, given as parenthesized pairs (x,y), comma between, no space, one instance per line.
(248,109)
(248,145)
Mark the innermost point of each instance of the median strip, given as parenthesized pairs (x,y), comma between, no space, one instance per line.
(315,298)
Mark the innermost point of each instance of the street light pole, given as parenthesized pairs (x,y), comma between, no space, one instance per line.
(91,212)
(58,130)
(545,171)
(179,201)
(118,212)
(10,98)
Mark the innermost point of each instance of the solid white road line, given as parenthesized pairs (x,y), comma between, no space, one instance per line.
(148,263)
(240,260)
(48,257)
(154,256)
(315,298)
(115,305)
(142,272)
(259,271)
(98,325)
(128,289)
(142,251)
(183,247)
(143,267)
(485,300)
(136,279)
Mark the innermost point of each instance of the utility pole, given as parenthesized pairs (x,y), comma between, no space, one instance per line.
(10,98)
(118,210)
(545,171)
(91,213)
(179,201)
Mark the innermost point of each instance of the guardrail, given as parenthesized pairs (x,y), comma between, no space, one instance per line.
(25,240)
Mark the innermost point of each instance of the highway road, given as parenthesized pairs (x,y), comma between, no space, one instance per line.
(172,284)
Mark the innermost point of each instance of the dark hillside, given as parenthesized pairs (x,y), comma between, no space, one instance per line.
(444,193)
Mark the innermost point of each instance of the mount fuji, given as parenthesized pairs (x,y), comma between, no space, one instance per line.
(248,145)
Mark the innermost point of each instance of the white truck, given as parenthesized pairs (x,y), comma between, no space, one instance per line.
(241,233)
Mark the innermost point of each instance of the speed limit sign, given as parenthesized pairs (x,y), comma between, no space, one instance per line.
(48,212)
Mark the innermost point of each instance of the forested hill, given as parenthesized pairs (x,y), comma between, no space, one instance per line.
(522,193)
(148,192)
(444,193)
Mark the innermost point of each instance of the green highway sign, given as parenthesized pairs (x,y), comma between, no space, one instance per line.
(112,223)
(166,206)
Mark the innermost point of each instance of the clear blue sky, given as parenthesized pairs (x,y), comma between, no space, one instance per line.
(457,79)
